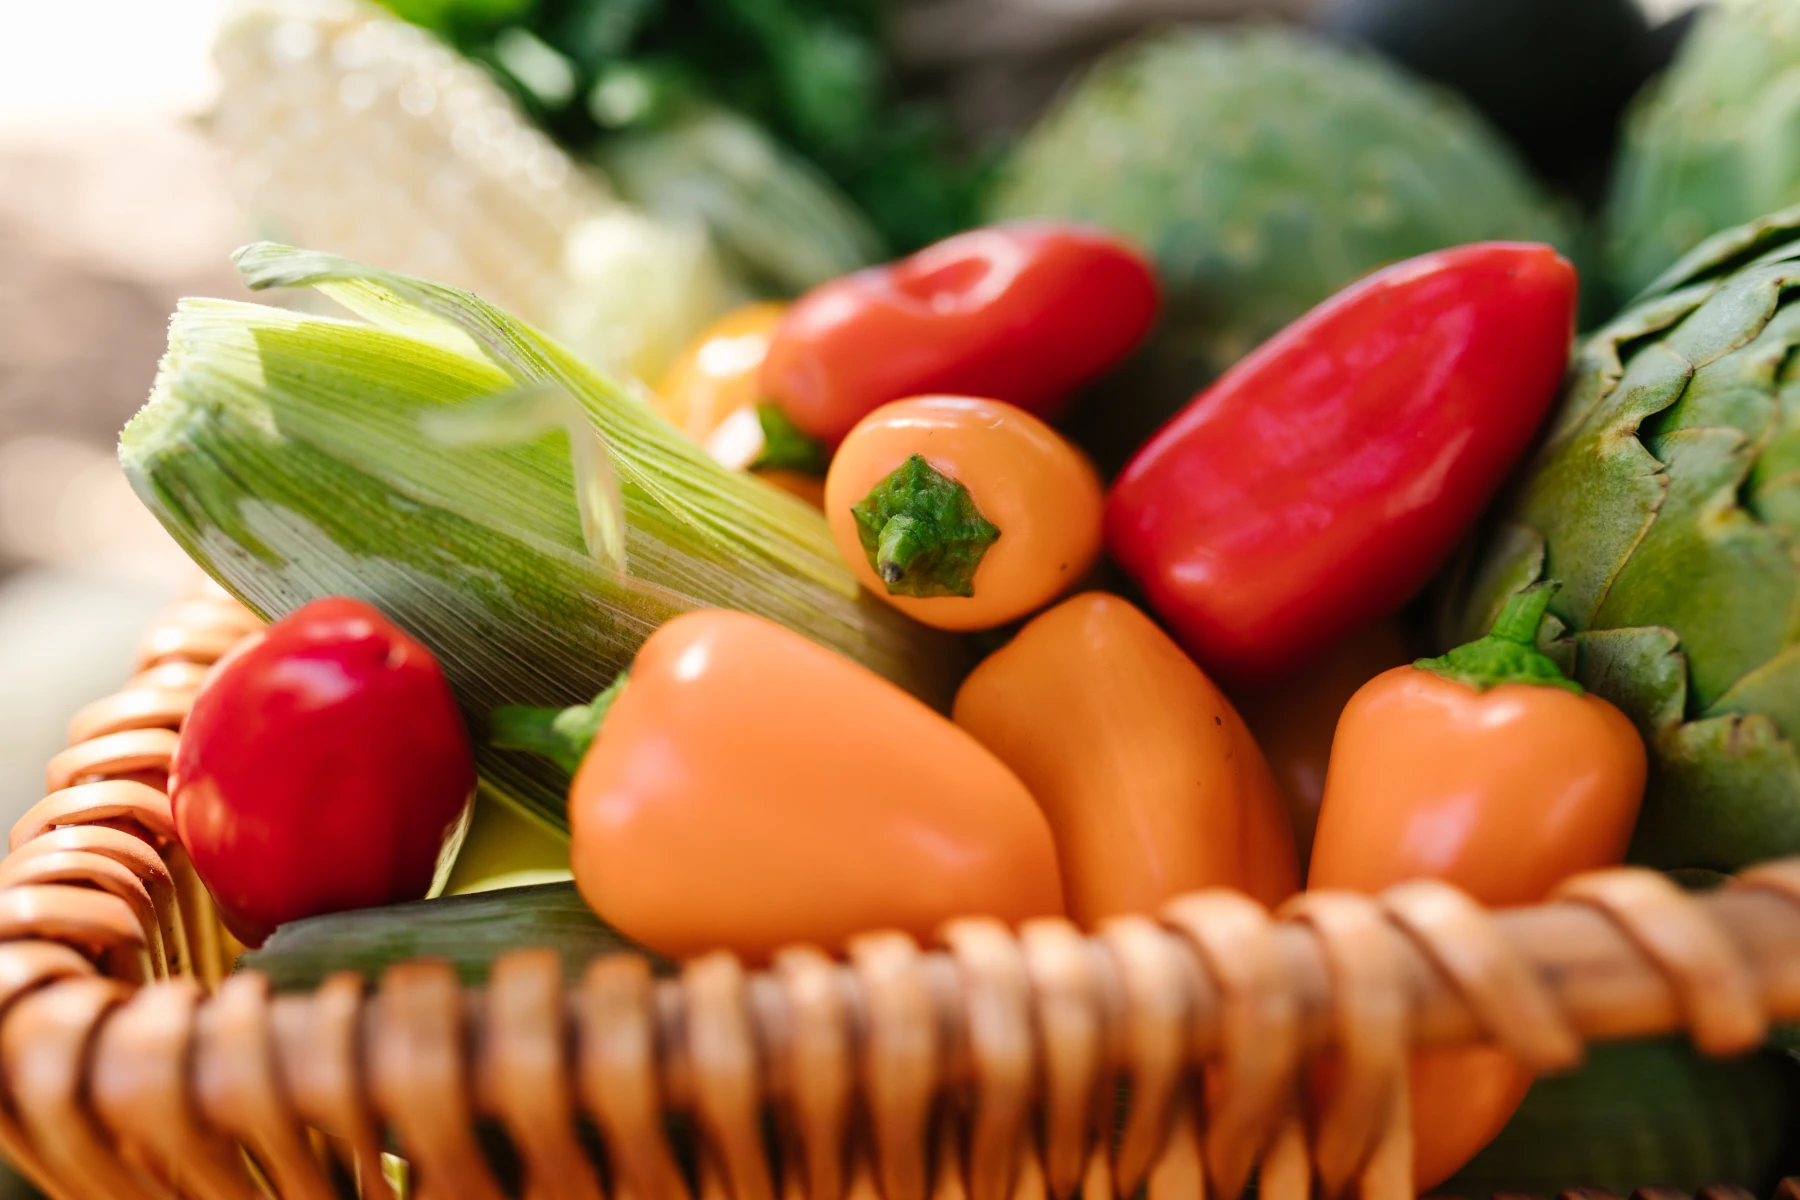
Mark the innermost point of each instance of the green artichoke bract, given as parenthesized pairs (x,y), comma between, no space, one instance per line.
(1262,170)
(1666,501)
(1715,143)
(1641,1111)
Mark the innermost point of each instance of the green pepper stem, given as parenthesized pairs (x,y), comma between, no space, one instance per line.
(786,445)
(922,532)
(1510,653)
(902,541)
(1522,615)
(561,735)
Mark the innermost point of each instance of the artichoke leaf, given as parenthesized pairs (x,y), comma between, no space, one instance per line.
(1740,619)
(1642,671)
(1667,500)
(1725,793)
(1774,490)
(1594,497)
(1725,790)
(1733,315)
(1514,561)
(1638,1111)
(1773,688)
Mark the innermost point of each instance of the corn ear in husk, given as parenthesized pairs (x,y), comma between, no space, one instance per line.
(290,455)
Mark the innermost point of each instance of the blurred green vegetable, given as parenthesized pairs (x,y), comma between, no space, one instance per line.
(1715,143)
(812,73)
(1646,1113)
(468,932)
(1263,170)
(775,215)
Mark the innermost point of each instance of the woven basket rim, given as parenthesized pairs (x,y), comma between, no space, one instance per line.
(135,1064)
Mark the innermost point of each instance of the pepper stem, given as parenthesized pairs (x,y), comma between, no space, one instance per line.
(922,532)
(785,445)
(1508,654)
(1521,616)
(561,735)
(903,540)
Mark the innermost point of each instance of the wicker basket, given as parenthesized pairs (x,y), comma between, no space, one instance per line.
(134,1066)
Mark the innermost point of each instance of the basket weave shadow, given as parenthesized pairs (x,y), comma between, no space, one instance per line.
(134,1066)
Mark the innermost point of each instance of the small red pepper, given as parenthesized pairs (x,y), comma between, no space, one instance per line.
(1320,482)
(1023,313)
(323,767)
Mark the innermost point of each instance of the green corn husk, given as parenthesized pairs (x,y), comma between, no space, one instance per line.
(468,932)
(288,455)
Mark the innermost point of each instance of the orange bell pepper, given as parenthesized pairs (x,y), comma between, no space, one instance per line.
(1488,769)
(713,393)
(749,789)
(1294,722)
(1152,783)
(963,513)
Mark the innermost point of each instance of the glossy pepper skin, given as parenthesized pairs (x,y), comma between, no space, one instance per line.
(719,373)
(1024,313)
(1028,489)
(749,789)
(1322,480)
(713,389)
(323,767)
(1295,720)
(1152,783)
(1501,786)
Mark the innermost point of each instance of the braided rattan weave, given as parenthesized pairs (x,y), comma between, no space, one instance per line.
(133,1065)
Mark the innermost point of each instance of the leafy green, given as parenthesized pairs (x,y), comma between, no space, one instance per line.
(813,73)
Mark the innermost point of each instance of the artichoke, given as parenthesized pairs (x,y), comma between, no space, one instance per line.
(1637,1111)
(1666,501)
(1715,143)
(1263,170)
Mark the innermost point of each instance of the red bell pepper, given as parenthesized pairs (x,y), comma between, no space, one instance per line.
(323,767)
(1023,313)
(1320,482)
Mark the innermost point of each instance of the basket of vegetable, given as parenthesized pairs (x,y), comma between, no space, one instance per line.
(1154,669)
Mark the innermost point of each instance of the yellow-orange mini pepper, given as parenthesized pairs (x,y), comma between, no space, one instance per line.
(961,512)
(749,789)
(1488,769)
(1152,783)
(713,393)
